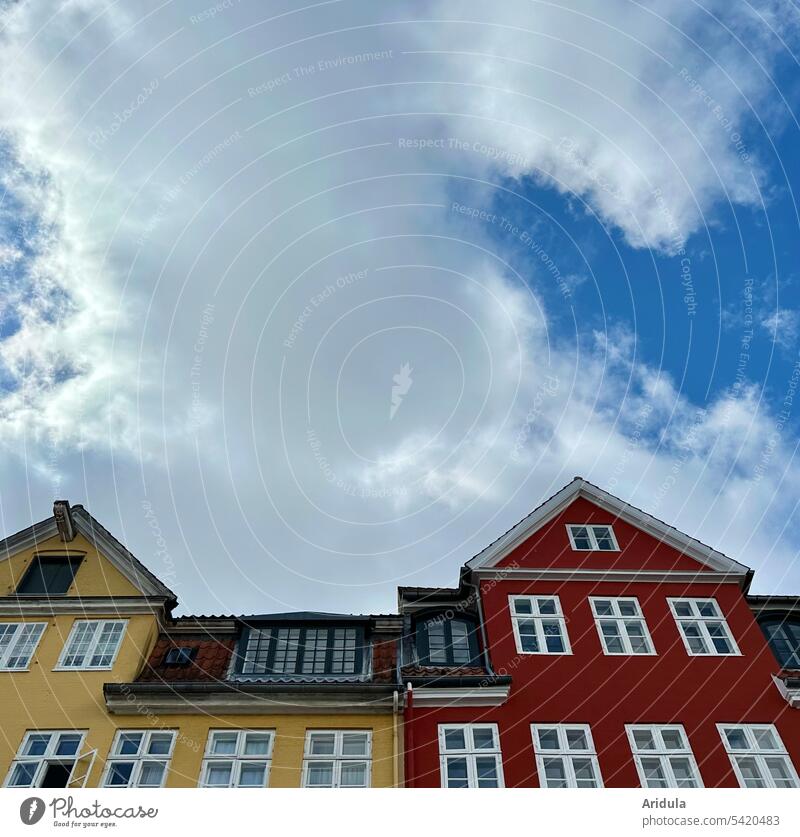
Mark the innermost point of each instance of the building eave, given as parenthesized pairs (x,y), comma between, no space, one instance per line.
(427,696)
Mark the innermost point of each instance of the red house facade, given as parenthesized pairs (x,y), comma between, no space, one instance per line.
(593,645)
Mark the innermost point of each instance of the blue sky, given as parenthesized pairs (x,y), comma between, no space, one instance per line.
(309,302)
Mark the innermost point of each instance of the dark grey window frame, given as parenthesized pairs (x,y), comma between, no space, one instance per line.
(73,563)
(268,668)
(423,643)
(784,622)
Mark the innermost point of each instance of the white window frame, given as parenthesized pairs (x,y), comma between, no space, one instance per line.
(236,759)
(338,758)
(565,753)
(703,622)
(139,758)
(43,761)
(470,753)
(537,618)
(662,753)
(757,753)
(590,527)
(621,627)
(60,666)
(16,640)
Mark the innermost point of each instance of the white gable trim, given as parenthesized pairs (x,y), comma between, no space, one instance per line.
(503,546)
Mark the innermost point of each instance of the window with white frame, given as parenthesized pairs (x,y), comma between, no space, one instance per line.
(589,538)
(139,759)
(621,626)
(703,627)
(470,756)
(337,759)
(663,756)
(237,758)
(758,756)
(45,759)
(18,641)
(565,756)
(92,643)
(539,625)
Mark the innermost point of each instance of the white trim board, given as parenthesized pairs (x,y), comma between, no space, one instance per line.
(493,554)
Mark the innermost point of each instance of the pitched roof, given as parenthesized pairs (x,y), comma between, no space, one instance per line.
(579,487)
(121,557)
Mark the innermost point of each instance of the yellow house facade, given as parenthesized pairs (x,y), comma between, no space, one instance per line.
(100,685)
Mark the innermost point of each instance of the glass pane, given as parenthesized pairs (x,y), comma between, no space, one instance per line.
(527,636)
(603,607)
(224,743)
(628,608)
(643,738)
(456,772)
(683,771)
(322,744)
(354,744)
(68,745)
(522,606)
(120,774)
(354,775)
(682,608)
(555,773)
(654,776)
(483,738)
(129,743)
(707,609)
(697,643)
(584,773)
(737,740)
(552,637)
(23,774)
(751,775)
(218,774)
(580,537)
(454,739)
(611,638)
(152,774)
(256,744)
(602,535)
(673,739)
(486,771)
(779,770)
(765,739)
(548,739)
(576,739)
(160,744)
(719,637)
(36,745)
(320,774)
(547,607)
(252,775)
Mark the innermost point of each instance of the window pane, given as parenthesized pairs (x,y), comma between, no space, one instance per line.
(68,745)
(151,775)
(522,606)
(654,775)
(684,774)
(224,743)
(110,635)
(719,637)
(454,739)
(48,577)
(128,743)
(322,744)
(219,773)
(547,607)
(611,638)
(456,772)
(253,775)
(580,537)
(643,738)
(486,771)
(354,744)
(160,744)
(603,607)
(779,770)
(527,635)
(694,637)
(483,739)
(603,537)
(707,609)
(23,774)
(751,775)
(555,772)
(673,739)
(320,774)
(256,744)
(584,773)
(553,638)
(576,739)
(437,652)
(737,740)
(548,739)
(120,774)
(354,774)
(628,608)
(765,739)
(682,608)
(36,745)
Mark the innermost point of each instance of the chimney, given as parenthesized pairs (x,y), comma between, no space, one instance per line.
(63,516)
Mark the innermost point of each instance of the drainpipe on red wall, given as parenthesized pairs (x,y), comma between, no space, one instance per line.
(408,737)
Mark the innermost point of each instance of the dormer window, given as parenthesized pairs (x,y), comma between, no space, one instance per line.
(446,642)
(588,538)
(302,650)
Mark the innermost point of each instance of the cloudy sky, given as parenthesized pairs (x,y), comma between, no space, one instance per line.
(306,301)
